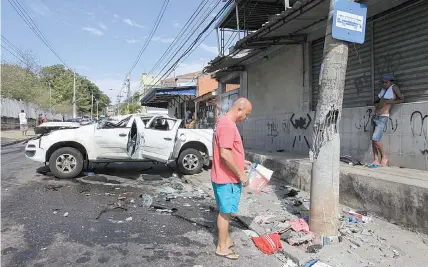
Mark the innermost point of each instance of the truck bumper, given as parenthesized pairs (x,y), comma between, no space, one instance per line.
(34,152)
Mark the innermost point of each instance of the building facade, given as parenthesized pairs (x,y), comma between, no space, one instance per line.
(278,67)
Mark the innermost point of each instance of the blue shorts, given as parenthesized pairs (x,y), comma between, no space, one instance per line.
(227,197)
(379,123)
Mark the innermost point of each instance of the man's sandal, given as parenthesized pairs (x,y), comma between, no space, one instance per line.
(230,256)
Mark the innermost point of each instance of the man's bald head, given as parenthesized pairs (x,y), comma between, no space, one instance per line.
(241,109)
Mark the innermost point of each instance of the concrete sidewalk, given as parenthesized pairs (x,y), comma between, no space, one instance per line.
(395,194)
(380,243)
(10,137)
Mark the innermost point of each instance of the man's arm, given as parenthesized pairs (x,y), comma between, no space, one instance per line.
(225,141)
(226,156)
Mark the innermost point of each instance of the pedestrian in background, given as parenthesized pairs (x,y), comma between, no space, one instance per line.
(23,123)
(228,172)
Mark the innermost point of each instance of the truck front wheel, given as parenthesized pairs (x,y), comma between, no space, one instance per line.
(66,162)
(190,161)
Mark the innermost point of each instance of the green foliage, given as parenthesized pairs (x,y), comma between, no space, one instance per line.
(26,83)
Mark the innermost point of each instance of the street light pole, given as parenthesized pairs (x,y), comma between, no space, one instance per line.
(74,95)
(92,104)
(97,109)
(50,97)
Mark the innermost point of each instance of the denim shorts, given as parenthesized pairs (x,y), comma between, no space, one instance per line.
(227,197)
(379,123)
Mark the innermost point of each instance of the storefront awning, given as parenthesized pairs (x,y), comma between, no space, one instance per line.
(165,96)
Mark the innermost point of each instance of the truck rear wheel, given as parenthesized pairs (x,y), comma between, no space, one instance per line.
(190,161)
(66,162)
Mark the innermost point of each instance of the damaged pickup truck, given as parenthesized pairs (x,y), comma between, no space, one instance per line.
(68,148)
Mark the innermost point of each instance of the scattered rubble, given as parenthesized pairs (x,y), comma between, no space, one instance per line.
(65,214)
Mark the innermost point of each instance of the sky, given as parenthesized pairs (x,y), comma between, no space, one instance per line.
(101,39)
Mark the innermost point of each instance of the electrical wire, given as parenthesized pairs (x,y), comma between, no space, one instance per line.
(152,32)
(188,38)
(5,48)
(12,46)
(222,10)
(33,26)
(181,33)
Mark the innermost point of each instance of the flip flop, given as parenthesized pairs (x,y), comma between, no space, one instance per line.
(373,166)
(230,256)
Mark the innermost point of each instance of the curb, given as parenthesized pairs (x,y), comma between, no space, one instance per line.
(18,141)
(291,252)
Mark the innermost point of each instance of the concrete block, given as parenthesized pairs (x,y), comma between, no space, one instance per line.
(406,144)
(394,144)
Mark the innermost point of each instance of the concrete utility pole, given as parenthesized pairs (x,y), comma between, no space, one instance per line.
(325,153)
(97,109)
(74,95)
(128,94)
(50,97)
(92,104)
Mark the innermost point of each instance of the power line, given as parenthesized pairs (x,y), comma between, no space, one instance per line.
(193,30)
(152,32)
(194,42)
(33,26)
(13,54)
(184,29)
(12,46)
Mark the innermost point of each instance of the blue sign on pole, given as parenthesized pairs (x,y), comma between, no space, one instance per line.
(349,21)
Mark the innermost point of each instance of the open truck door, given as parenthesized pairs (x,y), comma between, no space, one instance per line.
(136,141)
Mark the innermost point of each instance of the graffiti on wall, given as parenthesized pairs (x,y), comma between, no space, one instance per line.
(419,128)
(365,123)
(272,130)
(301,123)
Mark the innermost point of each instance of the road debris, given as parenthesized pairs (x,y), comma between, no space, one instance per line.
(146,200)
(65,214)
(52,187)
(314,248)
(268,244)
(109,209)
(128,219)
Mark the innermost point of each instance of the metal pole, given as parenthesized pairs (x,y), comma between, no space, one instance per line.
(50,97)
(92,104)
(97,109)
(218,42)
(325,152)
(237,20)
(74,95)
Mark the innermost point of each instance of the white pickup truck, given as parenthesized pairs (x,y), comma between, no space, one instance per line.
(69,147)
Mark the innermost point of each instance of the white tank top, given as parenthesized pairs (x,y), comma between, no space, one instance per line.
(22,118)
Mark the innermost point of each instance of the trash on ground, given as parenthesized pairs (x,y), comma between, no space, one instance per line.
(90,174)
(292,193)
(314,248)
(191,220)
(65,214)
(146,200)
(361,217)
(128,219)
(250,233)
(315,263)
(263,219)
(132,201)
(268,244)
(110,208)
(299,225)
(186,205)
(281,227)
(117,188)
(114,221)
(53,187)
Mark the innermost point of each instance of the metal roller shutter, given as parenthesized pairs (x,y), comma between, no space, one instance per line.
(401,48)
(316,56)
(358,90)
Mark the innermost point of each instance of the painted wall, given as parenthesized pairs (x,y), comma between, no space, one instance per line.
(405,139)
(275,83)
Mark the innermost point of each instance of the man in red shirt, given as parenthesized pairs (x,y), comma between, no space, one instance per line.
(228,171)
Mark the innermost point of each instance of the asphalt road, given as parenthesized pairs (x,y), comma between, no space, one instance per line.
(98,230)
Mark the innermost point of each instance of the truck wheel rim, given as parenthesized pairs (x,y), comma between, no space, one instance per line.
(66,163)
(190,162)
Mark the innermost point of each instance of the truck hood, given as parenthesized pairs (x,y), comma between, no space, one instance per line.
(47,127)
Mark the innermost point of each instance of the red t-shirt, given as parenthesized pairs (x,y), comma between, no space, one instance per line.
(226,136)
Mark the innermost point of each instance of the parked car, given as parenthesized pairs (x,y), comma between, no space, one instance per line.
(68,149)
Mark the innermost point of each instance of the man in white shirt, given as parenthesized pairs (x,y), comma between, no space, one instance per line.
(23,124)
